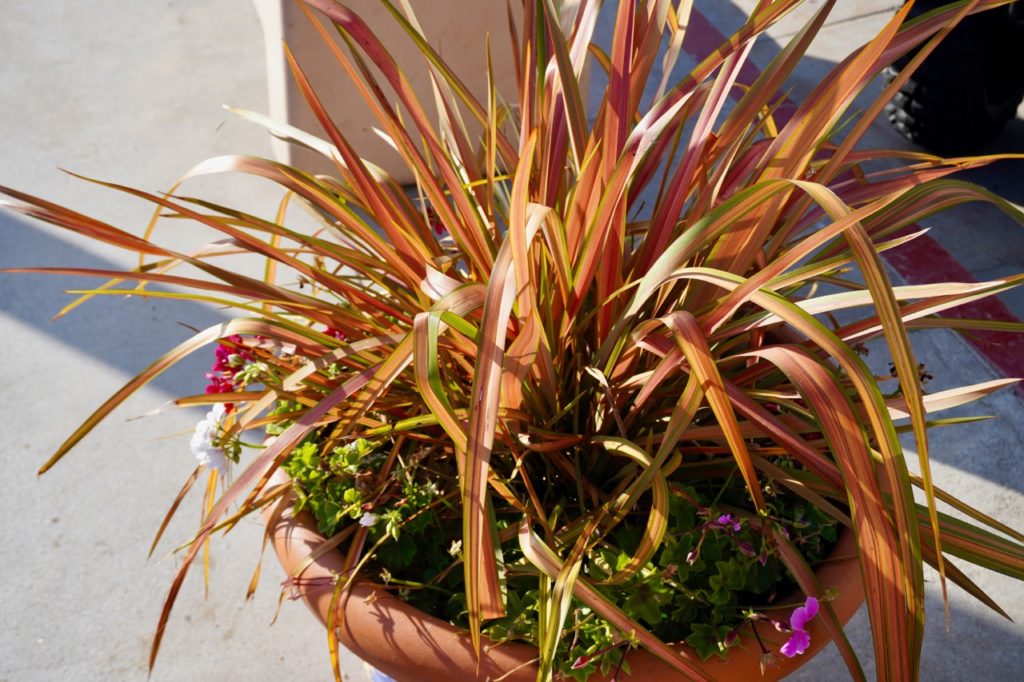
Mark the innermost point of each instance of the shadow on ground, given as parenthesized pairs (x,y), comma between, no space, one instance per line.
(111,329)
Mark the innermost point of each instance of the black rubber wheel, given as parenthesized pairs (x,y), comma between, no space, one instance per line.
(968,88)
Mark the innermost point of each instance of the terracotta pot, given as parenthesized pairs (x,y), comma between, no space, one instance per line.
(411,646)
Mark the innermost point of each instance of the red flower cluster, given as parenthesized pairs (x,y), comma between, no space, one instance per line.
(222,374)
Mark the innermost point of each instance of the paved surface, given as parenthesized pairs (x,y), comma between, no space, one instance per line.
(130,92)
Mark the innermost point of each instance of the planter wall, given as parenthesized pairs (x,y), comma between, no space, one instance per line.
(414,647)
(456,33)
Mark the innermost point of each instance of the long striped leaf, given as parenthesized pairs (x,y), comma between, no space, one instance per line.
(483,593)
(879,547)
(652,478)
(159,366)
(688,335)
(541,556)
(890,620)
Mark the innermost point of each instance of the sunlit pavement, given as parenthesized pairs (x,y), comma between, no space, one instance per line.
(131,92)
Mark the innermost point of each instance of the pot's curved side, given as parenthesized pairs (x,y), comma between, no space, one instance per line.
(410,645)
(384,631)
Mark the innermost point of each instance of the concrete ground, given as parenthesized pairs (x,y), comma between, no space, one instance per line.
(131,92)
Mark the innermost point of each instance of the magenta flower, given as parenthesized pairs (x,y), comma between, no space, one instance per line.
(800,639)
(435,222)
(726,522)
(228,360)
(218,383)
(336,333)
(796,644)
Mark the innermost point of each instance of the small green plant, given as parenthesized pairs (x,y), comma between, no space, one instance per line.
(583,385)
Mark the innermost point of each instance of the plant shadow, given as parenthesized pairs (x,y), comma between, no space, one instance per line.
(110,329)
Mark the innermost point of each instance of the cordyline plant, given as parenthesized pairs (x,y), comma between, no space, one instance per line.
(575,334)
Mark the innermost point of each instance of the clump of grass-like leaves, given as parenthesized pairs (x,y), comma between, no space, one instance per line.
(573,334)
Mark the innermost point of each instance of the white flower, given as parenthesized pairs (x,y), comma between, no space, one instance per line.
(202,445)
(368,520)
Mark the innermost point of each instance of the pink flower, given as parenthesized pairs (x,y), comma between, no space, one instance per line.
(803,614)
(726,522)
(800,639)
(796,644)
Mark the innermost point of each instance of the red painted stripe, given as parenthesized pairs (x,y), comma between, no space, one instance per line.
(925,261)
(921,261)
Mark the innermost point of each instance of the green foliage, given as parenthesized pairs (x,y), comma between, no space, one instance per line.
(332,487)
(705,582)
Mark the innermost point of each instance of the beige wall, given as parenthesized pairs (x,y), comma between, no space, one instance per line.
(456,28)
